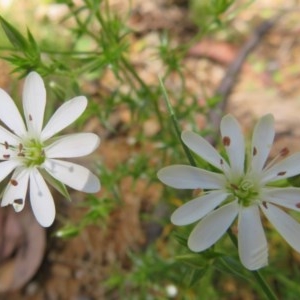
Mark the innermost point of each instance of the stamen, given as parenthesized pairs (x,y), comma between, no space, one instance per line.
(298,205)
(234,186)
(6,156)
(21,154)
(265,204)
(226,141)
(30,117)
(254,152)
(20,147)
(6,145)
(14,182)
(281,173)
(284,152)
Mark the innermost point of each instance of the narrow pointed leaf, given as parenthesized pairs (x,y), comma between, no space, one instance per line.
(14,36)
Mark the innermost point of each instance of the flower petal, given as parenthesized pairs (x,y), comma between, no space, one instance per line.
(262,140)
(10,115)
(187,177)
(233,141)
(16,189)
(9,137)
(284,224)
(197,208)
(34,102)
(6,167)
(73,145)
(73,175)
(288,197)
(204,149)
(253,247)
(64,116)
(284,169)
(212,227)
(41,200)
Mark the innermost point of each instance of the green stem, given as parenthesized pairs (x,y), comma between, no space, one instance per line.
(129,67)
(264,285)
(68,53)
(176,124)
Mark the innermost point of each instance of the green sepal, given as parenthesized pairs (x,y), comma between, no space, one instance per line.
(195,275)
(229,265)
(59,186)
(34,49)
(14,36)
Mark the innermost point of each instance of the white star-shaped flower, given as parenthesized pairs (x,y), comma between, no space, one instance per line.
(242,187)
(29,151)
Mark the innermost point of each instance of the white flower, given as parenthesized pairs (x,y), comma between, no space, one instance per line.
(243,189)
(28,150)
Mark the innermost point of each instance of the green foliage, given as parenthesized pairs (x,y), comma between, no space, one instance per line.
(98,42)
(30,57)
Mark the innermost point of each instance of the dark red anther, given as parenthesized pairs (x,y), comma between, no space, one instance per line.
(234,186)
(284,152)
(226,141)
(281,173)
(14,182)
(254,152)
(18,201)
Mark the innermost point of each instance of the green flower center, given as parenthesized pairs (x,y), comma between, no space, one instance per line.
(32,152)
(245,191)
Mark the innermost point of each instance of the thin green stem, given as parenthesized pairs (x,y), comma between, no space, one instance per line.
(176,124)
(144,86)
(72,52)
(264,285)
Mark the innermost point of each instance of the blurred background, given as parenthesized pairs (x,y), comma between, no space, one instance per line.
(214,57)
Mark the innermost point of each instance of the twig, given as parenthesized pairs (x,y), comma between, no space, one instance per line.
(230,78)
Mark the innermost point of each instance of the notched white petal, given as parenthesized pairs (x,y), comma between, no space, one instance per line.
(252,243)
(73,145)
(286,168)
(73,175)
(188,177)
(41,200)
(288,227)
(288,197)
(205,150)
(15,191)
(10,115)
(34,102)
(233,141)
(262,140)
(212,227)
(64,116)
(197,208)
(8,137)
(6,167)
